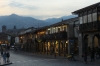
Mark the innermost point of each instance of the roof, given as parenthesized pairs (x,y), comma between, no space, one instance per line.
(14,31)
(65,21)
(56,24)
(86,8)
(59,23)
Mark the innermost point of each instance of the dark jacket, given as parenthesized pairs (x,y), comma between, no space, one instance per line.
(8,54)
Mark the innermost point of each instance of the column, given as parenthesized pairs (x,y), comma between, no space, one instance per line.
(59,48)
(50,49)
(80,45)
(55,49)
(64,42)
(47,48)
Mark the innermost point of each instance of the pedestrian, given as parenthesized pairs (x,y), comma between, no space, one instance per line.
(8,55)
(85,57)
(2,52)
(92,55)
(72,57)
(4,57)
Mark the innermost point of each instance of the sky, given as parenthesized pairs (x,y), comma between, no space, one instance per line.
(43,9)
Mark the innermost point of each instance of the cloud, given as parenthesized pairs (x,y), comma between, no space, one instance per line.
(21,5)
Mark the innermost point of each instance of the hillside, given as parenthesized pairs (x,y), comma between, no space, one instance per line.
(20,21)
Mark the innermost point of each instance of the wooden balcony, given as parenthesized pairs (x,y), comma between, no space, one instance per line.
(92,26)
(55,36)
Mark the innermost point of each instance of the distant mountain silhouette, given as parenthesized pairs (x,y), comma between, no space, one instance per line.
(25,22)
(55,20)
(21,21)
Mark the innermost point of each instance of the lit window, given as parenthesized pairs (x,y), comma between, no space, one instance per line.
(99,17)
(64,28)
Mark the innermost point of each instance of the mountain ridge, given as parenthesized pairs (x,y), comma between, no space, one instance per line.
(26,22)
(20,21)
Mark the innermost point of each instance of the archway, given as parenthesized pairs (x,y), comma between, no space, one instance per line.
(96,41)
(85,43)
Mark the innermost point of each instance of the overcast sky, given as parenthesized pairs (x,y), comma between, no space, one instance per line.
(43,9)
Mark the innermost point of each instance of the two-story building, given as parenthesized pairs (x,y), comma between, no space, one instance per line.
(57,39)
(89,18)
(24,40)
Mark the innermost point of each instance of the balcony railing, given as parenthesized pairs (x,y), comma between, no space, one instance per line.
(54,36)
(92,26)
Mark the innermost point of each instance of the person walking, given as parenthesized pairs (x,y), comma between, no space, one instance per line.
(4,57)
(2,52)
(8,55)
(92,55)
(85,57)
(72,57)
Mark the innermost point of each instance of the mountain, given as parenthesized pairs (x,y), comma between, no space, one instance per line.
(25,22)
(20,21)
(55,20)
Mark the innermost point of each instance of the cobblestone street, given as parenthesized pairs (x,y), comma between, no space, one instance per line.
(29,59)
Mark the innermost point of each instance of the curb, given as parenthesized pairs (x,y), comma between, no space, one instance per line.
(6,64)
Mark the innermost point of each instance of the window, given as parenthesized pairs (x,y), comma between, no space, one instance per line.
(64,28)
(54,30)
(98,13)
(89,18)
(94,15)
(85,19)
(81,20)
(58,29)
(99,17)
(48,31)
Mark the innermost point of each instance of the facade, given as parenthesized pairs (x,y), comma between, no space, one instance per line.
(60,38)
(57,39)
(25,38)
(89,18)
(3,38)
(12,34)
(4,42)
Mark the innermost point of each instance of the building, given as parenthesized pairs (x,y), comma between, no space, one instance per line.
(3,38)
(24,39)
(4,28)
(57,39)
(89,18)
(4,42)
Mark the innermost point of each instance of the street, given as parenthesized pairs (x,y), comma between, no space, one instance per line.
(28,59)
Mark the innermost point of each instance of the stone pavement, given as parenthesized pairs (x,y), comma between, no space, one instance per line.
(80,59)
